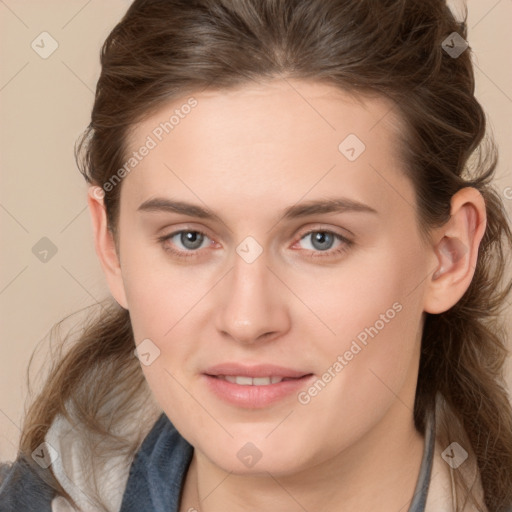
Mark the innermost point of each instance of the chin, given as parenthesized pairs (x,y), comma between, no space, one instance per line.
(248,458)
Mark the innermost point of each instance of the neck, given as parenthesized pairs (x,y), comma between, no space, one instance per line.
(379,472)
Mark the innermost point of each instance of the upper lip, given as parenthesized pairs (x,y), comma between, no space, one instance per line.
(254,370)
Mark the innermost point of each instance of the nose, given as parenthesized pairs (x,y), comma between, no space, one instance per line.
(252,303)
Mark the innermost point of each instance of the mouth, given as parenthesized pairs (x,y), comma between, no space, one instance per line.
(254,387)
(243,380)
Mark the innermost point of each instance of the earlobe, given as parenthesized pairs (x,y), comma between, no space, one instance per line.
(105,245)
(456,251)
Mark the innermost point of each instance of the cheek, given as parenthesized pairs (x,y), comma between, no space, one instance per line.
(166,303)
(373,308)
(158,292)
(373,354)
(373,289)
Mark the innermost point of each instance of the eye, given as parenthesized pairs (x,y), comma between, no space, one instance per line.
(321,241)
(190,240)
(186,243)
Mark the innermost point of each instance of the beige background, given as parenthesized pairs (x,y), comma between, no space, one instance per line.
(46,103)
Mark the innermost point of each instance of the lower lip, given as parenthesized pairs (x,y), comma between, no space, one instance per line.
(253,397)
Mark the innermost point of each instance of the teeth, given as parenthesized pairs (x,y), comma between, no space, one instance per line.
(243,381)
(261,381)
(249,381)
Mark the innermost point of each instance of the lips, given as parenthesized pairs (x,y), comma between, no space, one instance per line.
(254,386)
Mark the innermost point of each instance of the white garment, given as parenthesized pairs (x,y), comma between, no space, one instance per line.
(440,497)
(73,459)
(68,469)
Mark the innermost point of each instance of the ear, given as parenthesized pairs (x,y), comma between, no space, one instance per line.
(455,251)
(105,245)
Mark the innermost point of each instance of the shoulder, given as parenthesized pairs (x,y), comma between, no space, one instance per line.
(22,487)
(117,480)
(92,468)
(442,493)
(158,470)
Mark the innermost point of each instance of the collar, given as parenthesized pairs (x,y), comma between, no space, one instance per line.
(154,478)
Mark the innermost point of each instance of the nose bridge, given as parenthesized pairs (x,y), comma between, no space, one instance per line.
(249,279)
(252,307)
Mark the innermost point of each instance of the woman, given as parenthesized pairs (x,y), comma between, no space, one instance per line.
(338,349)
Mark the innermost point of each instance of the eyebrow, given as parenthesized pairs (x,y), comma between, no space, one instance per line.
(332,205)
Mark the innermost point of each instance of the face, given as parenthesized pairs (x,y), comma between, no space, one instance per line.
(254,280)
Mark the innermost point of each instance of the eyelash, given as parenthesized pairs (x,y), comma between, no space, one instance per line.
(344,247)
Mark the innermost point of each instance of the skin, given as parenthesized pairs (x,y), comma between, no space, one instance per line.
(276,145)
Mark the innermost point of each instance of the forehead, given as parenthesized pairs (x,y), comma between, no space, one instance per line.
(305,108)
(282,135)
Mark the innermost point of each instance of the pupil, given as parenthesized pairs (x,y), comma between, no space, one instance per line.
(321,237)
(192,237)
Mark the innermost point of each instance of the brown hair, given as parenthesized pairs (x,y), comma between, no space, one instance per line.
(164,49)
